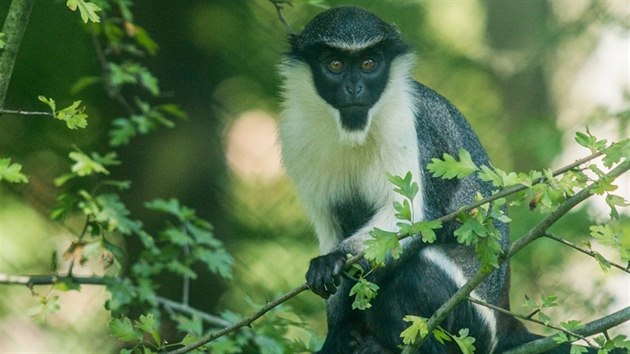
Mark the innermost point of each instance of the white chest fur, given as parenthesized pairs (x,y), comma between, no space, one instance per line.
(327,163)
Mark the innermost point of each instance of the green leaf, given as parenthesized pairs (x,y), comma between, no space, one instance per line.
(67,284)
(605,234)
(425,228)
(403,210)
(2,42)
(500,178)
(72,115)
(449,167)
(578,349)
(550,301)
(122,293)
(113,213)
(87,9)
(613,202)
(441,335)
(488,249)
(123,330)
(148,324)
(218,261)
(172,207)
(589,141)
(47,306)
(50,102)
(561,338)
(85,166)
(464,342)
(418,329)
(181,269)
(143,38)
(616,152)
(177,237)
(604,264)
(382,243)
(470,231)
(364,292)
(189,325)
(122,131)
(544,318)
(572,325)
(405,186)
(10,172)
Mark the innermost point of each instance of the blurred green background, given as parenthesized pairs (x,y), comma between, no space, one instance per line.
(527,74)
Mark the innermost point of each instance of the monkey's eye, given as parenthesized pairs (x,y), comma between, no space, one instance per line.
(367,64)
(335,65)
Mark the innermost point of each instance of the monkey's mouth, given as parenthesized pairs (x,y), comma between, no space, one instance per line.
(354,117)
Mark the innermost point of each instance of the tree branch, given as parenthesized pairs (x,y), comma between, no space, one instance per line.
(244,322)
(537,231)
(464,292)
(14,28)
(32,280)
(528,318)
(591,328)
(35,280)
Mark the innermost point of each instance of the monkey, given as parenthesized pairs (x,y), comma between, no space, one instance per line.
(351,115)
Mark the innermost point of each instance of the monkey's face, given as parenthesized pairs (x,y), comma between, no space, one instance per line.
(351,82)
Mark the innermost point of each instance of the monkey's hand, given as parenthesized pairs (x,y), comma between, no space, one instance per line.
(324,273)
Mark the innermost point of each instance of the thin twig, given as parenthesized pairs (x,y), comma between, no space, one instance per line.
(33,280)
(187,309)
(111,91)
(279,5)
(245,322)
(585,251)
(25,113)
(528,318)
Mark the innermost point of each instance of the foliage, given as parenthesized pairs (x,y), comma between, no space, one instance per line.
(87,10)
(544,191)
(73,115)
(186,243)
(11,172)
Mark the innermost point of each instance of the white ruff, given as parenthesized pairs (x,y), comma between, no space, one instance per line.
(328,163)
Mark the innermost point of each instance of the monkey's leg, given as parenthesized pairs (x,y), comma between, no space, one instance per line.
(418,285)
(345,325)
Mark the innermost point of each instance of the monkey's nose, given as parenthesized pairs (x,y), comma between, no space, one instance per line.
(354,88)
